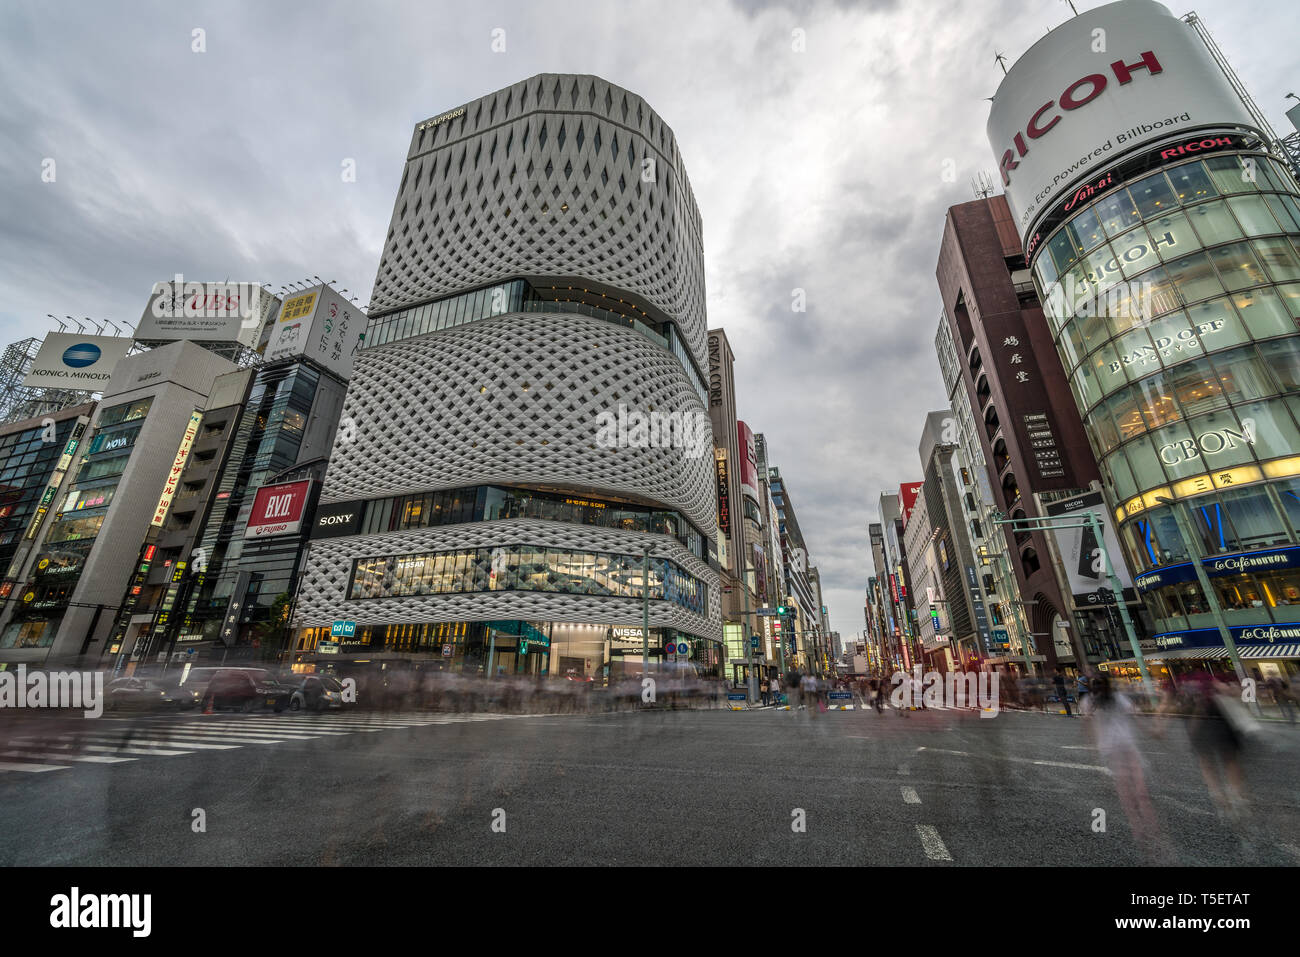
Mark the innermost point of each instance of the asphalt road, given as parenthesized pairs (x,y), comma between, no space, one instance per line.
(941,788)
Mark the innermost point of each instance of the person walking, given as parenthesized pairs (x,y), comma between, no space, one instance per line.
(1059,681)
(808,691)
(764,691)
(879,684)
(1081,684)
(1114,732)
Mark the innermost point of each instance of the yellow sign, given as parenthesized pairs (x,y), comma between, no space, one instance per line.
(297,307)
(178,466)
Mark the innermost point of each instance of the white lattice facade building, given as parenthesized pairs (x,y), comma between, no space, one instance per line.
(542,276)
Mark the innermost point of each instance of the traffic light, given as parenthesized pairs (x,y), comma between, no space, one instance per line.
(780,609)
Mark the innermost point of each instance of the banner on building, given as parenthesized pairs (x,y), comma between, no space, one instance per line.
(82,363)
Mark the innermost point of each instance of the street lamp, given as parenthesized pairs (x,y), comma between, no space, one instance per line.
(1211,596)
(1045,523)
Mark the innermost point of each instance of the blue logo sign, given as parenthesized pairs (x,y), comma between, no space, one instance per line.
(81,355)
(343,629)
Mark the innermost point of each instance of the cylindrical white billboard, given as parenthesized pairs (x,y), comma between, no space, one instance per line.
(1103,84)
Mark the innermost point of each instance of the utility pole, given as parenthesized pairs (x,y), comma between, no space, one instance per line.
(645,611)
(1211,596)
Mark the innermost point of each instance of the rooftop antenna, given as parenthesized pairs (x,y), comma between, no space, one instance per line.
(79,326)
(982,185)
(1002,62)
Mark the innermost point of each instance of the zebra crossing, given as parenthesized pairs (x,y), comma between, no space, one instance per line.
(120,740)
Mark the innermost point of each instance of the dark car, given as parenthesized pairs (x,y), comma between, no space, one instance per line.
(148,694)
(246,689)
(315,693)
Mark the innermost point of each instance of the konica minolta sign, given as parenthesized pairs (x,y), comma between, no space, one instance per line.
(1261,561)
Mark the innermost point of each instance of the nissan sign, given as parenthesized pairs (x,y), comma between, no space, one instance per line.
(1112,80)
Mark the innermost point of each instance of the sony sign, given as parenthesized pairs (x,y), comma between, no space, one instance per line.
(1103,84)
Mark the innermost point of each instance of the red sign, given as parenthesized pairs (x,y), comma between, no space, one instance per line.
(907,496)
(278,509)
(748,461)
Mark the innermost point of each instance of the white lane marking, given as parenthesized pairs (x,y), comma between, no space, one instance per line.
(48,755)
(10,766)
(164,752)
(243,735)
(208,745)
(1079,747)
(910,796)
(943,751)
(1066,764)
(932,843)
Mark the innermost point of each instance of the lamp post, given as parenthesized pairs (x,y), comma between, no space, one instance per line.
(1045,523)
(645,610)
(1211,596)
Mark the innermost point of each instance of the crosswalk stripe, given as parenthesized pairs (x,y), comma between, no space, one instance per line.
(161,752)
(175,735)
(84,758)
(910,796)
(207,745)
(235,733)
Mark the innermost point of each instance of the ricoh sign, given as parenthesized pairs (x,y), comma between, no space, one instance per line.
(1110,81)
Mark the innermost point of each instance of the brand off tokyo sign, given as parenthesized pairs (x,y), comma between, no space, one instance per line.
(1110,81)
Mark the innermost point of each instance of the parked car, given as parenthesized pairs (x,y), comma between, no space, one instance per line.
(244,689)
(316,693)
(148,694)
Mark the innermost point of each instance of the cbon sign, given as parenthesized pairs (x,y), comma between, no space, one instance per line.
(1119,78)
(278,509)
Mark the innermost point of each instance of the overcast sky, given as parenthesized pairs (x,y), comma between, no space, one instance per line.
(820,170)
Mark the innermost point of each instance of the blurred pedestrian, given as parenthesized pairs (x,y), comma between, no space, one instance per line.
(1114,732)
(1080,689)
(880,685)
(766,692)
(1058,680)
(1217,738)
(808,691)
(1281,692)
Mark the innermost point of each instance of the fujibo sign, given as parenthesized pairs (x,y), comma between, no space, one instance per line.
(1116,79)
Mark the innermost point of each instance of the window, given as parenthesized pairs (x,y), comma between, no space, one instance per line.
(1194,277)
(1238,266)
(1253,215)
(1214,223)
(1153,195)
(1191,182)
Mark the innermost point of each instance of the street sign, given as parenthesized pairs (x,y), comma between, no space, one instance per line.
(670,648)
(766,612)
(737,696)
(447,650)
(683,648)
(343,629)
(840,696)
(753,642)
